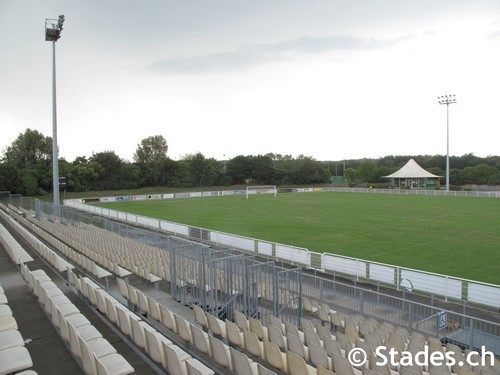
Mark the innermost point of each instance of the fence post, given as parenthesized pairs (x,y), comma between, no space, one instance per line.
(410,317)
(361,301)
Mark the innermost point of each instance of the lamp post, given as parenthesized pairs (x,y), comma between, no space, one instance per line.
(447,99)
(53,30)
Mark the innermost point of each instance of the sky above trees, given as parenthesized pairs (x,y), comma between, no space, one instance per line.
(330,79)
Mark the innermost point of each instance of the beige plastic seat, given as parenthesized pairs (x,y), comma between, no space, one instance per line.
(167,318)
(341,366)
(242,364)
(306,323)
(154,309)
(241,320)
(14,359)
(183,328)
(195,367)
(344,341)
(307,304)
(200,316)
(132,296)
(76,320)
(154,341)
(257,328)
(332,347)
(142,303)
(200,340)
(264,370)
(220,352)
(297,347)
(275,336)
(319,357)
(276,322)
(124,317)
(5,310)
(86,332)
(92,349)
(139,329)
(175,358)
(10,338)
(252,344)
(274,356)
(7,323)
(311,337)
(291,329)
(323,371)
(234,335)
(297,365)
(216,326)
(122,287)
(112,364)
(111,313)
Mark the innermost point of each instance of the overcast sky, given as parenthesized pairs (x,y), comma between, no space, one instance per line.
(324,78)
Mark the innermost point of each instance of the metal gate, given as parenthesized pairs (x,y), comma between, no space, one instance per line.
(288,295)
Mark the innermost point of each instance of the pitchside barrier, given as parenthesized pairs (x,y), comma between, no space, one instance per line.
(380,274)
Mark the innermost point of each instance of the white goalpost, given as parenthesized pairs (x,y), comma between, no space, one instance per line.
(262,189)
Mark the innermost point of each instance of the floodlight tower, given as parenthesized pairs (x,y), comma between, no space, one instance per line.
(53,30)
(447,99)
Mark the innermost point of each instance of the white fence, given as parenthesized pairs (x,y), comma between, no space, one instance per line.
(378,273)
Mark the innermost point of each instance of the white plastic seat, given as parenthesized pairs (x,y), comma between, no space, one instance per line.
(87,333)
(5,310)
(274,356)
(154,342)
(14,359)
(297,347)
(216,325)
(122,287)
(112,364)
(200,340)
(252,344)
(111,304)
(10,338)
(257,328)
(242,364)
(220,352)
(167,318)
(276,322)
(124,317)
(92,349)
(183,329)
(76,320)
(142,303)
(7,323)
(241,320)
(200,316)
(234,335)
(275,336)
(154,309)
(291,329)
(195,367)
(139,329)
(298,366)
(319,357)
(175,358)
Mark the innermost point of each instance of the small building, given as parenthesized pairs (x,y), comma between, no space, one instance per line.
(412,175)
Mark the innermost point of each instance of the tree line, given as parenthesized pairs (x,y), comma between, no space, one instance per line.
(26,168)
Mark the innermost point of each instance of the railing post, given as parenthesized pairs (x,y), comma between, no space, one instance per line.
(361,301)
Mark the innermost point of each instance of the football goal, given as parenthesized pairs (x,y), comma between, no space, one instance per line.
(262,189)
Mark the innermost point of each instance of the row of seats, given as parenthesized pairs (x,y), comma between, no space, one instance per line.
(15,251)
(43,250)
(159,348)
(356,331)
(14,357)
(87,344)
(110,251)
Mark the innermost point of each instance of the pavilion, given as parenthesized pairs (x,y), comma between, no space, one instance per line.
(412,175)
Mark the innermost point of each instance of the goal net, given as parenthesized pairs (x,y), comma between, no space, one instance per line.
(263,189)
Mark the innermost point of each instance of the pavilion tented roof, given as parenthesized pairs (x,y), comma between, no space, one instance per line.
(411,170)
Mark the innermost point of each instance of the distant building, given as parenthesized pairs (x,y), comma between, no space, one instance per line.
(412,175)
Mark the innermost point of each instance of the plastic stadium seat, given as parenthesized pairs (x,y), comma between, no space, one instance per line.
(14,359)
(275,336)
(183,328)
(274,356)
(252,344)
(139,329)
(297,365)
(113,364)
(319,357)
(200,316)
(242,364)
(154,344)
(257,328)
(195,367)
(201,340)
(234,335)
(175,358)
(216,325)
(167,318)
(10,338)
(220,352)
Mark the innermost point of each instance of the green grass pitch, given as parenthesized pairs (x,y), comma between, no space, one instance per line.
(448,235)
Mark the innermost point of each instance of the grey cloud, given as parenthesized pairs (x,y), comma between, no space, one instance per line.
(258,54)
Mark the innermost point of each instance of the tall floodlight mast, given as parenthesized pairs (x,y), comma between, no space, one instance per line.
(447,99)
(53,30)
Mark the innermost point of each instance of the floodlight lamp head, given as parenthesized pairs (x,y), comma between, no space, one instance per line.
(53,28)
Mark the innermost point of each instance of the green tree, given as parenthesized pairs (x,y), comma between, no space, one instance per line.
(151,157)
